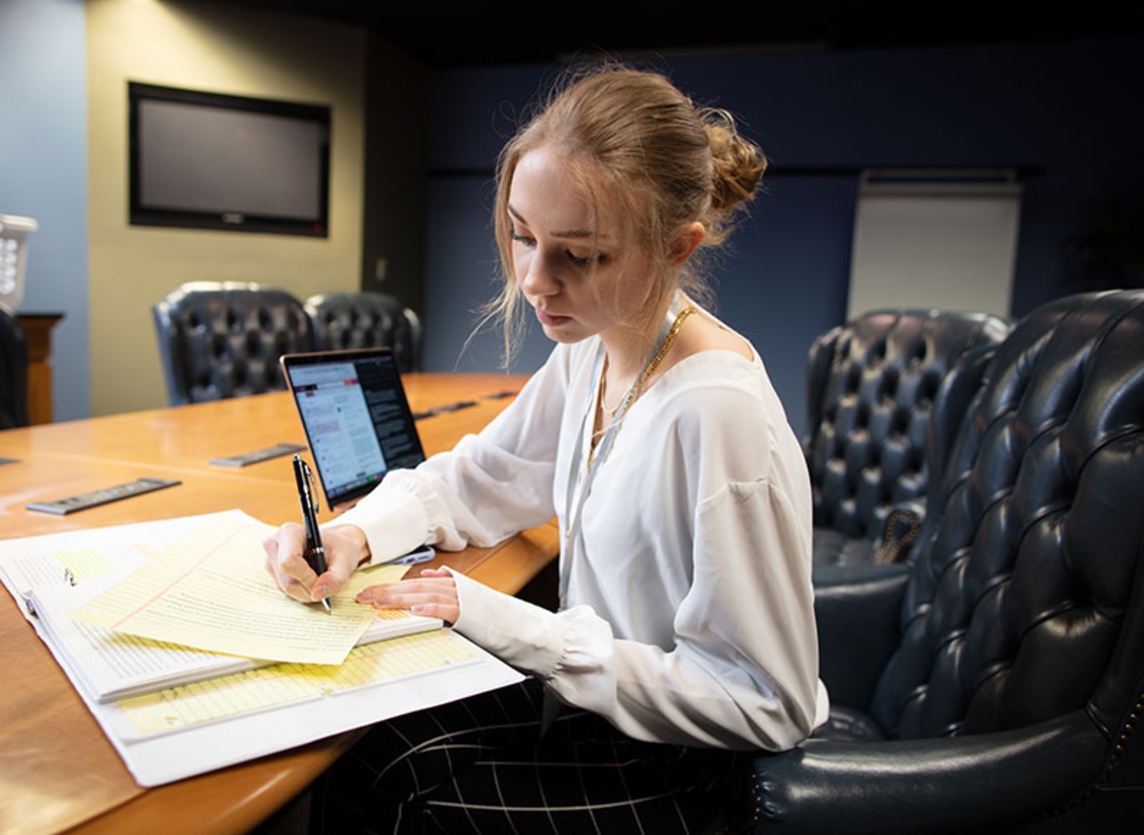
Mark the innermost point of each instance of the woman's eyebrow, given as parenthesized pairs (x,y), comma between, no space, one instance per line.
(573,234)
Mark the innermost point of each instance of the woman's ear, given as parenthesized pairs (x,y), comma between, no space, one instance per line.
(689,236)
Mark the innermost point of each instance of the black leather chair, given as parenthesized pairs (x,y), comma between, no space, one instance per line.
(871,388)
(219,340)
(366,320)
(13,372)
(998,681)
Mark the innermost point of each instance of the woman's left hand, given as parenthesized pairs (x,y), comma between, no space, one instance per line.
(433,595)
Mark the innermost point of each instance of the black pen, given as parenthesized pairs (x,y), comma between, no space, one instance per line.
(315,554)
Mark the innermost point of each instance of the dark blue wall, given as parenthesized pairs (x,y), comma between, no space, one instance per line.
(1067,114)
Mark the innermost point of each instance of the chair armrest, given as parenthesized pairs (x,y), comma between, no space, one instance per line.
(858,610)
(927,785)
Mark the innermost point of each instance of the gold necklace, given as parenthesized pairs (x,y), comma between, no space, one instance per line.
(637,387)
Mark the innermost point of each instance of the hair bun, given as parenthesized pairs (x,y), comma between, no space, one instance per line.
(738,163)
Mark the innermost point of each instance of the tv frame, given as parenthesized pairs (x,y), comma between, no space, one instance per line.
(231,221)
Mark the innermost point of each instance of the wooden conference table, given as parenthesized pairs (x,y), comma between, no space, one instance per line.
(57,770)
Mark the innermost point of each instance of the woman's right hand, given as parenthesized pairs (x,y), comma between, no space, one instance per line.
(346,548)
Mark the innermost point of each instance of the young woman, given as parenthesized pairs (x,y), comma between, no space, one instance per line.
(686,625)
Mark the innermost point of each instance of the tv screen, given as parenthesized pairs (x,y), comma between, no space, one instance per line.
(215,161)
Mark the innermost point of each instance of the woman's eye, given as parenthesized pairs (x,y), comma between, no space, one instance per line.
(584,260)
(519,238)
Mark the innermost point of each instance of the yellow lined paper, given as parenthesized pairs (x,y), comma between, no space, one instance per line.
(281,684)
(85,564)
(211,591)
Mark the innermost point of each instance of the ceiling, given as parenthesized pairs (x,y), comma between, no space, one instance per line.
(476,34)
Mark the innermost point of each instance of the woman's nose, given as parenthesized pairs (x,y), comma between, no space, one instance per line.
(540,279)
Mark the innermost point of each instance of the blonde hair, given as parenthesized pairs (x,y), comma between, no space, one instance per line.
(633,136)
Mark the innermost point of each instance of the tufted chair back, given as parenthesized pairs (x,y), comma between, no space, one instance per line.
(219,340)
(871,387)
(1026,600)
(13,372)
(366,320)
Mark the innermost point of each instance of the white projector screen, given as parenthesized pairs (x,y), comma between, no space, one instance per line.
(941,245)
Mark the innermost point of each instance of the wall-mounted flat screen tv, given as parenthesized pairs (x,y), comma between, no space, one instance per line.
(215,161)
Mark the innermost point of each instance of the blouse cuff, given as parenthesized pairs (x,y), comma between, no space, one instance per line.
(519,633)
(393,521)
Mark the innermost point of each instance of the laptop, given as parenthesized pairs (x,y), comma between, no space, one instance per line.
(356,417)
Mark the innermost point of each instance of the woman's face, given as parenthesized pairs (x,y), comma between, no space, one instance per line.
(554,231)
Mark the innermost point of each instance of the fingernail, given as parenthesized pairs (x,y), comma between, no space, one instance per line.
(418,609)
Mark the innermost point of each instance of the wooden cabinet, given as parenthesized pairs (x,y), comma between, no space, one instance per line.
(39,326)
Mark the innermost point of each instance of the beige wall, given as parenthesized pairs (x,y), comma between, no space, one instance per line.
(209,47)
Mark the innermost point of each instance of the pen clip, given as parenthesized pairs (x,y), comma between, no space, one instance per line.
(307,488)
(311,487)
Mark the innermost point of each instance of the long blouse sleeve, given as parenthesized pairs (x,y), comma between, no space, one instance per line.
(487,488)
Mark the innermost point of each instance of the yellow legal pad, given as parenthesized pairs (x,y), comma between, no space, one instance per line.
(281,684)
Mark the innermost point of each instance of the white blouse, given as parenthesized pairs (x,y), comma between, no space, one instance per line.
(689,612)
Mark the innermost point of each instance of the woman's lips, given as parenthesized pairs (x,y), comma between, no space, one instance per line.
(549,319)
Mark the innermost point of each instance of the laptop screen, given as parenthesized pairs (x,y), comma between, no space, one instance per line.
(356,418)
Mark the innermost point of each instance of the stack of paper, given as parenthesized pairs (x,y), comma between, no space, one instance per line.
(191,659)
